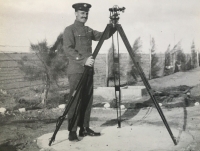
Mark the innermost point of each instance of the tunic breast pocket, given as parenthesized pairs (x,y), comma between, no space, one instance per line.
(86,39)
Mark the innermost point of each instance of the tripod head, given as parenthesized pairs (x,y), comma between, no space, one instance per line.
(114,13)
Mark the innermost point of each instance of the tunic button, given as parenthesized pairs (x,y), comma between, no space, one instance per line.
(77,58)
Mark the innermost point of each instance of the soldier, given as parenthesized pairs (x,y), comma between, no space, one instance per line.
(77,44)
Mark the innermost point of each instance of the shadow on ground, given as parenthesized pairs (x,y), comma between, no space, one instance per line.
(127,115)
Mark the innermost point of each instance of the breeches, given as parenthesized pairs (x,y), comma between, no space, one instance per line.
(86,96)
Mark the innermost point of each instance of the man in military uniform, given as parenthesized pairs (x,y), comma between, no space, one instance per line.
(77,44)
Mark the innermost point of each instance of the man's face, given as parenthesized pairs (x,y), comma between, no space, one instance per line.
(81,16)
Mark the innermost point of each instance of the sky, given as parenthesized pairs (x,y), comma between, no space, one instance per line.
(167,21)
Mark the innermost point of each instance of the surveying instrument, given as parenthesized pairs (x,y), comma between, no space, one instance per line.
(87,77)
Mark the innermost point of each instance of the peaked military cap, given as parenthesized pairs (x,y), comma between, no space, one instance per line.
(82,6)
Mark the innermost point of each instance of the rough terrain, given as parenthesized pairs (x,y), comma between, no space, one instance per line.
(22,131)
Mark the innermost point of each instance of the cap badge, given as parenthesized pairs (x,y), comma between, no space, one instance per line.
(85,5)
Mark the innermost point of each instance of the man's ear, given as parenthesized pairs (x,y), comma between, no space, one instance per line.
(76,14)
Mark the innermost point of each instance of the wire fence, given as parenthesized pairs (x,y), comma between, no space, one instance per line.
(11,77)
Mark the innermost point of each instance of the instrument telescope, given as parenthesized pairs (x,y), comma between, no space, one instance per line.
(116,8)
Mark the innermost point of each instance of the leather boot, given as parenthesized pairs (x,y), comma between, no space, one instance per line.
(87,131)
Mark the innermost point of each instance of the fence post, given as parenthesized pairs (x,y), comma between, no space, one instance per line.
(197,57)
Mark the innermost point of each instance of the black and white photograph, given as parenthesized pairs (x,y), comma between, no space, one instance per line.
(114,75)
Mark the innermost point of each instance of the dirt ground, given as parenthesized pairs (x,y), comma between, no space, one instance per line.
(142,128)
(19,130)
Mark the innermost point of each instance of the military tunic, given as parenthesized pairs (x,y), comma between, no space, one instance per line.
(77,40)
(77,44)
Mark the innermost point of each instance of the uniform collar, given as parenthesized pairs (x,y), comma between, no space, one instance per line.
(78,23)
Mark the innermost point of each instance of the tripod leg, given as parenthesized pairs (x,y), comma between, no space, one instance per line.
(107,30)
(145,81)
(117,88)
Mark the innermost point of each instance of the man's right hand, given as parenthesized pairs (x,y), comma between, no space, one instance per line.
(89,62)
